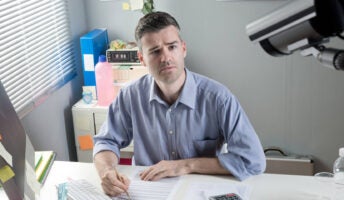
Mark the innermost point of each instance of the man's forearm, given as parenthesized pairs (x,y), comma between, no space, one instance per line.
(105,160)
(112,182)
(171,168)
(205,166)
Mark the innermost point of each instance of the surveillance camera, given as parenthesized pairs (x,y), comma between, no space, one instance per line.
(303,25)
(280,32)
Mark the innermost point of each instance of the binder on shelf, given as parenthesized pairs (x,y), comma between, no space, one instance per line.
(43,163)
(92,44)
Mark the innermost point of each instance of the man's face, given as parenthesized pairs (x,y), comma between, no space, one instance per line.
(164,52)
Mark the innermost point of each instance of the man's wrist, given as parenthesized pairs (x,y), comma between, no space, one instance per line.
(106,169)
(188,166)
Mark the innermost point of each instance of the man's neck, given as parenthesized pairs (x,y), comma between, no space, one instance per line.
(170,92)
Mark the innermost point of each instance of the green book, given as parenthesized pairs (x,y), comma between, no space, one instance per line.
(38,159)
(43,163)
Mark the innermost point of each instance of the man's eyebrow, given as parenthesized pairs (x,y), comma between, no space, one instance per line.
(174,42)
(153,48)
(157,47)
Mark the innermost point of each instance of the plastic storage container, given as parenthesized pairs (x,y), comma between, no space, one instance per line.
(338,171)
(338,168)
(104,82)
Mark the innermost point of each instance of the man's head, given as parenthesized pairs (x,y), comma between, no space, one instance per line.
(161,48)
(153,22)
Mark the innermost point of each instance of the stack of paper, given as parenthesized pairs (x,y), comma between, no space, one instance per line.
(43,162)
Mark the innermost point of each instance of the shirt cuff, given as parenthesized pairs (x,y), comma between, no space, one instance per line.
(106,147)
(238,168)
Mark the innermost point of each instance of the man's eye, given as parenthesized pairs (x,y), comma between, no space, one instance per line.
(173,47)
(155,52)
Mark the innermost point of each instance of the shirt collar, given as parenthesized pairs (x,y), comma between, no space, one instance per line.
(187,95)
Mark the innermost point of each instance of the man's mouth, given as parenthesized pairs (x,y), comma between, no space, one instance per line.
(166,68)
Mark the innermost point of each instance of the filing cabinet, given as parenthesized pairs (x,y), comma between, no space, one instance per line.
(87,120)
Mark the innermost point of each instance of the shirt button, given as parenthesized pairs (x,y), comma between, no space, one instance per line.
(171,132)
(173,152)
(170,110)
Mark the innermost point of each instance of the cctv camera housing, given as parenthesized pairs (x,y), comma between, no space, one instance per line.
(299,20)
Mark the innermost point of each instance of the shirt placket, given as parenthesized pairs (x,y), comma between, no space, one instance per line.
(171,132)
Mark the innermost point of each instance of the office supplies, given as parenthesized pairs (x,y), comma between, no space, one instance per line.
(18,177)
(229,196)
(62,191)
(92,44)
(207,189)
(82,189)
(153,190)
(43,164)
(264,186)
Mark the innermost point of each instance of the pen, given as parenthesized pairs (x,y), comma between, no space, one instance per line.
(121,179)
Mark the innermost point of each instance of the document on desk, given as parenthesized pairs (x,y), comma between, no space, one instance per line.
(138,190)
(152,190)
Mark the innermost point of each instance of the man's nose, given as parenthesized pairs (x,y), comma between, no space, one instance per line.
(165,55)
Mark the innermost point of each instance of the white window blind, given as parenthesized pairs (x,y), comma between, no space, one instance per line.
(36,50)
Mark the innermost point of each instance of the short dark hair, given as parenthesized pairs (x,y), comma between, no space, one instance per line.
(154,22)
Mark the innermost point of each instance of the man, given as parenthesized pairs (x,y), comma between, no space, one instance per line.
(179,120)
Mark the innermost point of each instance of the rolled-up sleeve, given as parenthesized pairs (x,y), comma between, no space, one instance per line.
(115,132)
(245,155)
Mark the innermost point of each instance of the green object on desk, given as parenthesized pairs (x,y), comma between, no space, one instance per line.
(43,162)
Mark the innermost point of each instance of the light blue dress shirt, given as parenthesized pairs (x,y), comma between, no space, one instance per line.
(204,117)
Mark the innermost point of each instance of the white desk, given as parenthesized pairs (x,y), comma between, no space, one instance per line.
(265,186)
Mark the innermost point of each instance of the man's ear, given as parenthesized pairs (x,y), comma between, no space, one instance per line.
(140,56)
(184,48)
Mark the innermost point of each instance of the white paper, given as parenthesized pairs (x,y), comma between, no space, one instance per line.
(7,156)
(136,4)
(152,190)
(88,62)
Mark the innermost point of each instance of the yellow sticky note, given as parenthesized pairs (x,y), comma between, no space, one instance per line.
(85,142)
(125,6)
(6,173)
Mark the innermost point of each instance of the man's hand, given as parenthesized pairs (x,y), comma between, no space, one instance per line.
(181,167)
(164,169)
(114,184)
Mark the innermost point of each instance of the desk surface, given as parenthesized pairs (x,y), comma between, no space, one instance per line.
(265,186)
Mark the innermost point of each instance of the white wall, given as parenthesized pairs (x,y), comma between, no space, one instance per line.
(293,102)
